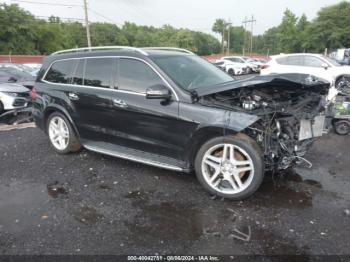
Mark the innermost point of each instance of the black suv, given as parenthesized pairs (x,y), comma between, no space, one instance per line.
(169,108)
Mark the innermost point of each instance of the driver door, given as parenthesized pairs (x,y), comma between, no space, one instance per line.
(149,125)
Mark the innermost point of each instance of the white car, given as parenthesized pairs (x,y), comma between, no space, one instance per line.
(13,96)
(313,64)
(230,67)
(244,62)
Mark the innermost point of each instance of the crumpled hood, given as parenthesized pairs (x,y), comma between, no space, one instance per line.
(297,80)
(13,88)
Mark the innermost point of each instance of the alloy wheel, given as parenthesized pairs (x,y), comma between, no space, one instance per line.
(228,168)
(59,133)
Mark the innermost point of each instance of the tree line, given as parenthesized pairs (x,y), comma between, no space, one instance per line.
(329,30)
(23,33)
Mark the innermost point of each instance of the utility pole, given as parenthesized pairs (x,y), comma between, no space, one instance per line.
(251,36)
(88,36)
(245,22)
(245,33)
(228,36)
(223,39)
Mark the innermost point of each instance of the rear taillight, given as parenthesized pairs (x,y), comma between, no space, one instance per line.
(33,93)
(264,66)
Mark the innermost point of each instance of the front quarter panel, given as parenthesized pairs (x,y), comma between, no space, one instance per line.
(201,121)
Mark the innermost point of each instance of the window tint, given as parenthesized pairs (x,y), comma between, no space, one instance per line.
(312,61)
(191,72)
(282,60)
(60,72)
(291,60)
(136,76)
(98,72)
(295,60)
(79,73)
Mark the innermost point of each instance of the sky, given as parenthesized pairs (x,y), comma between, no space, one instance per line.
(196,15)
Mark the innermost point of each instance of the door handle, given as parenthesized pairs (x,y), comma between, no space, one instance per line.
(73,96)
(119,103)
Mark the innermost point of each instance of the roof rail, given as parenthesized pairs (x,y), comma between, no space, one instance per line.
(168,48)
(87,49)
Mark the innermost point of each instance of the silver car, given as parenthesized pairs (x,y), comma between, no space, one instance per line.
(13,96)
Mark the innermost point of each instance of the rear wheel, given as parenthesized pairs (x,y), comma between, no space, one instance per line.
(230,167)
(62,136)
(342,127)
(231,72)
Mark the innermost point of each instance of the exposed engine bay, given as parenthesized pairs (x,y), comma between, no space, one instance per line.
(291,116)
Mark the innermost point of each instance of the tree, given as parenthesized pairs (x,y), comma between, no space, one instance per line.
(331,28)
(16,32)
(219,27)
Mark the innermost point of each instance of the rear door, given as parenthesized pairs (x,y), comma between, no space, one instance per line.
(91,97)
(290,64)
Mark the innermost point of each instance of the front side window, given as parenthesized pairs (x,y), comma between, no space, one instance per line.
(60,72)
(191,72)
(136,76)
(99,72)
(311,61)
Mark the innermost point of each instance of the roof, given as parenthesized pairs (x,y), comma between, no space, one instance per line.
(295,54)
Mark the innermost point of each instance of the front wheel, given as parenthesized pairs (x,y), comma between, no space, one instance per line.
(230,167)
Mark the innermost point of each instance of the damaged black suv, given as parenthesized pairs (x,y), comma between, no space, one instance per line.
(169,108)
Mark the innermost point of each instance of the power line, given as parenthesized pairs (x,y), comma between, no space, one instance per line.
(45,3)
(103,16)
(61,18)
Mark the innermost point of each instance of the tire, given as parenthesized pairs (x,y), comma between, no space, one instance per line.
(69,141)
(231,72)
(249,71)
(1,108)
(342,127)
(226,184)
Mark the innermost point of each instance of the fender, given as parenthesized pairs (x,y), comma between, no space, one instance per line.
(232,123)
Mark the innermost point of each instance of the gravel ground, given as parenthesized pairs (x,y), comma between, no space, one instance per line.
(87,203)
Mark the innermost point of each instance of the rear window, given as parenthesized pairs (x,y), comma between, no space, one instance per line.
(60,72)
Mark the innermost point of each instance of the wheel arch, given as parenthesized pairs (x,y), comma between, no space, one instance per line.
(56,108)
(203,135)
(341,76)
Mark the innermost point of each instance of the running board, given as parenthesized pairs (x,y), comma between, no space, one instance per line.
(136,156)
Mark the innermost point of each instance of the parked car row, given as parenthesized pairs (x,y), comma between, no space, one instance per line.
(239,65)
(16,81)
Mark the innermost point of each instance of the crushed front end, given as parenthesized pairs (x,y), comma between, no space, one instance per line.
(291,110)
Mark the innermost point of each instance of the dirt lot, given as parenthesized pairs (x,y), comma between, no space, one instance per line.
(87,203)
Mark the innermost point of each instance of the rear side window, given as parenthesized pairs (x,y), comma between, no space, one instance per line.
(136,76)
(60,72)
(98,72)
(291,60)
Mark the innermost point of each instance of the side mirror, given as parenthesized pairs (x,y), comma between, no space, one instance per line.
(12,79)
(158,92)
(325,66)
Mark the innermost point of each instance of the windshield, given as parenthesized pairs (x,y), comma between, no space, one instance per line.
(191,72)
(331,61)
